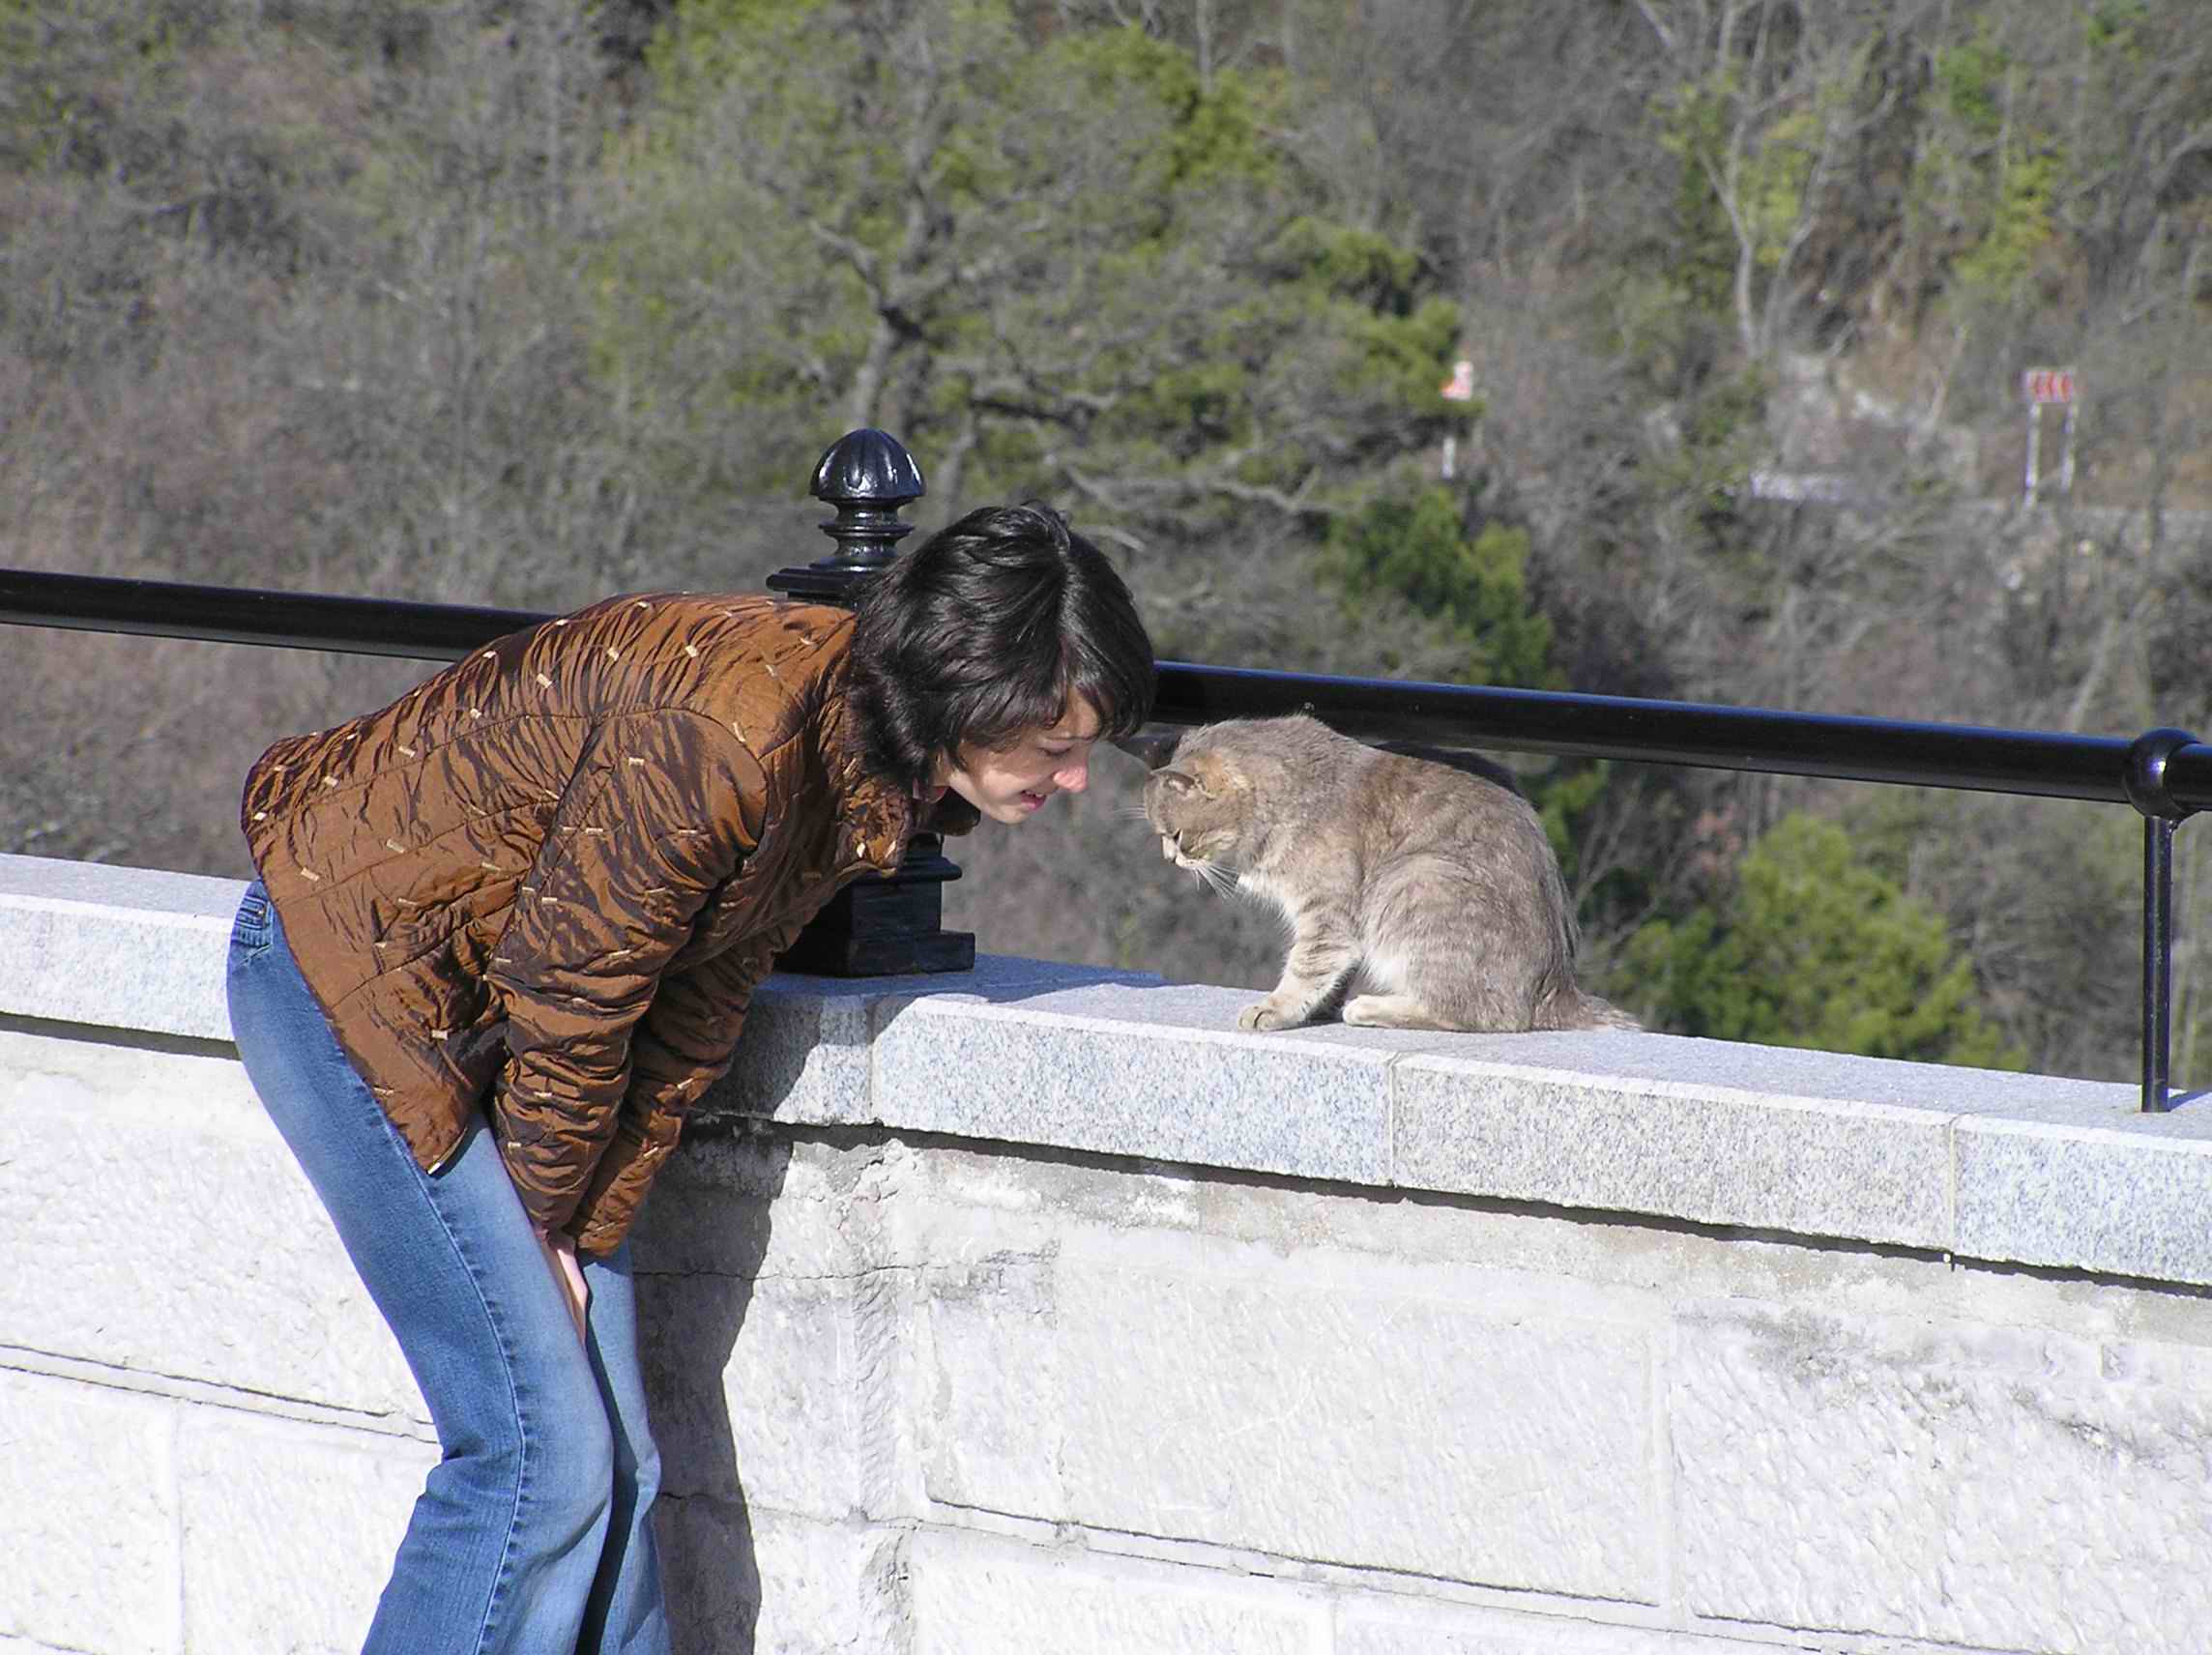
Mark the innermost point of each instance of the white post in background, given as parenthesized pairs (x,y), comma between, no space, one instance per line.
(1460,387)
(2038,387)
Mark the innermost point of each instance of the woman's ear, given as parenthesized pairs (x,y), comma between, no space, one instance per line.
(1154,744)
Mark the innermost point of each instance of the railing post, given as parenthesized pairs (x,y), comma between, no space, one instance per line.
(2158,960)
(874,927)
(2145,780)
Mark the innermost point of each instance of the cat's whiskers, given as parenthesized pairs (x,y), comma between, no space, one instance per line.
(1219,877)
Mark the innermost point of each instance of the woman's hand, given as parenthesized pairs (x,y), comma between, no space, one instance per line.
(561,1256)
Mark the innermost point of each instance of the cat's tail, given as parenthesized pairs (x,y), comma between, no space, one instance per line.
(1571,1008)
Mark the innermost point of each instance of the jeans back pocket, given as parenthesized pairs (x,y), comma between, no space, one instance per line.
(251,929)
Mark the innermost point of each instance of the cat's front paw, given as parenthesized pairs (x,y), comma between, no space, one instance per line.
(1265,1014)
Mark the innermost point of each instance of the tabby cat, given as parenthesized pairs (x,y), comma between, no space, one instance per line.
(1436,887)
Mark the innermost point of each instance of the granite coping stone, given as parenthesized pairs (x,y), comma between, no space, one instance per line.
(2023,1169)
(2133,1199)
(1083,1069)
(118,948)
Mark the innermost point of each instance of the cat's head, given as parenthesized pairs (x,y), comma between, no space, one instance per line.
(1200,803)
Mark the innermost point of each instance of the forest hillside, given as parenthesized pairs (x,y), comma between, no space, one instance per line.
(523,302)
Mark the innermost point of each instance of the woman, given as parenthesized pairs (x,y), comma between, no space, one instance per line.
(505,934)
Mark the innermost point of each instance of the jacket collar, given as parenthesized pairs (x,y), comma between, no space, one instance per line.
(876,815)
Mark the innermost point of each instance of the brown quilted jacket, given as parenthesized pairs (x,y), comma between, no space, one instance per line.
(542,884)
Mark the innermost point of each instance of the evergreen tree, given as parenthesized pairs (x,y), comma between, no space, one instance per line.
(1812,947)
(1418,550)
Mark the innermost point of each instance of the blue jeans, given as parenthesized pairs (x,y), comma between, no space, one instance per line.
(534,1532)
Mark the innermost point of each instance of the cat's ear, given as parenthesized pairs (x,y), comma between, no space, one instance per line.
(1180,784)
(1154,744)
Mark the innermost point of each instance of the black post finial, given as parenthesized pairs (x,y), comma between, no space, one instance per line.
(868,476)
(875,927)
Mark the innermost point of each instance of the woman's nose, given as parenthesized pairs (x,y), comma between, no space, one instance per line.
(1074,777)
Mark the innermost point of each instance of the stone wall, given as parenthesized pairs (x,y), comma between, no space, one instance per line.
(1037,1311)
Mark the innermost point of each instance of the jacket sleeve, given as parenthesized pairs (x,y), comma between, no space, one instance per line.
(683,1046)
(642,834)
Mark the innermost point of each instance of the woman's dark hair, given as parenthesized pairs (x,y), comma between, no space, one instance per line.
(989,627)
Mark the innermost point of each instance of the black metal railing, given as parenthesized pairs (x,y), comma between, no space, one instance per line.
(2164,775)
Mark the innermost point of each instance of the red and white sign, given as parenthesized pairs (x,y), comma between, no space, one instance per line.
(1460,387)
(2040,385)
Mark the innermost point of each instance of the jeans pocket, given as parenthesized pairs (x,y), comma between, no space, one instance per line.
(253,930)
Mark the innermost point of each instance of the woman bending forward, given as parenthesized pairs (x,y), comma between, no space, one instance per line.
(504,936)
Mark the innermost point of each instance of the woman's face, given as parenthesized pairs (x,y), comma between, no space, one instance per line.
(1010,783)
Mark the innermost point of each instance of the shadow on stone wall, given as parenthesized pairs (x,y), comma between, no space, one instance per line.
(701,1243)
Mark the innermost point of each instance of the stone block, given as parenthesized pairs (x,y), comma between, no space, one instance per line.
(117,948)
(176,1235)
(759,1582)
(88,1516)
(1996,1487)
(1628,1058)
(1337,1416)
(713,1572)
(976,1596)
(288,1529)
(1079,1069)
(990,1350)
(2128,1199)
(752,1387)
(743,1202)
(1808,1165)
(804,1058)
(768,1321)
(1380,1624)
